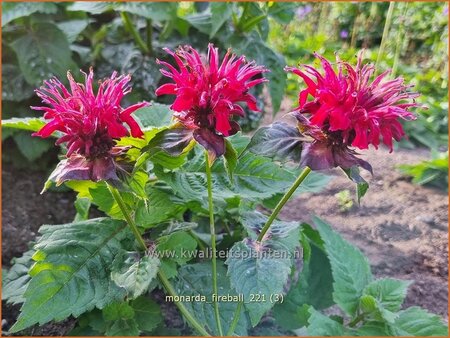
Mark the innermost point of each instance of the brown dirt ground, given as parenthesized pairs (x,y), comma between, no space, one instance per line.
(401,227)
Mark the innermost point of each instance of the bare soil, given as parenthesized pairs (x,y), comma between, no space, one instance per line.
(401,227)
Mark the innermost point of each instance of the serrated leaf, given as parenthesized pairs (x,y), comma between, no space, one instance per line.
(72,273)
(315,279)
(377,329)
(157,209)
(156,115)
(313,183)
(12,11)
(254,178)
(32,148)
(262,268)
(416,321)
(321,325)
(361,184)
(119,317)
(123,327)
(43,52)
(16,279)
(118,310)
(26,123)
(195,280)
(220,13)
(389,292)
(279,141)
(178,247)
(350,268)
(134,273)
(147,313)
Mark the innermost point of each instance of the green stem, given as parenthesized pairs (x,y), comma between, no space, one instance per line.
(355,321)
(387,25)
(235,321)
(200,243)
(196,325)
(213,243)
(149,29)
(242,18)
(399,42)
(283,201)
(125,212)
(130,27)
(162,277)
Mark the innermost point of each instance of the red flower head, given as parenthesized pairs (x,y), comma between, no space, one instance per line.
(349,110)
(90,124)
(207,94)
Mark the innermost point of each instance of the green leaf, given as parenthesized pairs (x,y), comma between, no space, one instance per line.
(279,141)
(254,178)
(118,310)
(201,21)
(31,147)
(415,321)
(158,208)
(26,123)
(72,271)
(156,115)
(157,11)
(220,13)
(230,158)
(174,141)
(313,183)
(82,206)
(350,268)
(262,268)
(14,86)
(120,320)
(282,12)
(254,48)
(43,52)
(12,10)
(16,279)
(320,325)
(92,7)
(389,292)
(315,279)
(147,313)
(73,28)
(361,184)
(195,280)
(134,273)
(178,247)
(374,329)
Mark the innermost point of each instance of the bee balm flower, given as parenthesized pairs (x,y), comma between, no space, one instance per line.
(349,110)
(89,123)
(207,93)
